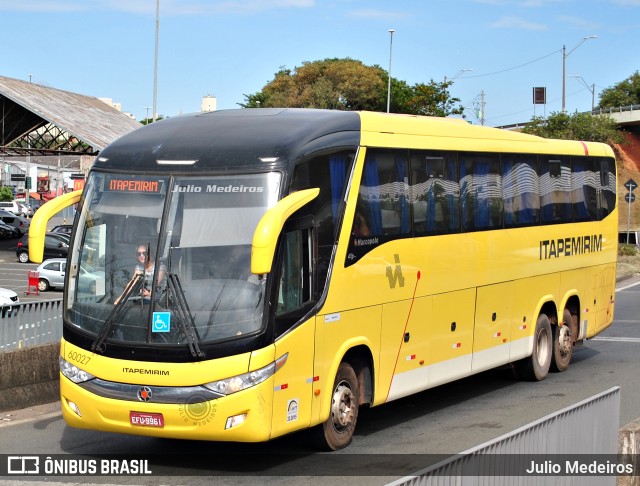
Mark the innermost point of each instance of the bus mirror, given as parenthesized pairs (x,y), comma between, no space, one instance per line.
(41,217)
(265,237)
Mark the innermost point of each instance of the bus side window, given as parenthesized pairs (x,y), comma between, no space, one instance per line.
(434,193)
(480,191)
(555,190)
(520,190)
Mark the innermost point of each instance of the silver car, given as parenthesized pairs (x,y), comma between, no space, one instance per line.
(51,273)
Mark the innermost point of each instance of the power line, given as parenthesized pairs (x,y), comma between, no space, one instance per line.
(512,68)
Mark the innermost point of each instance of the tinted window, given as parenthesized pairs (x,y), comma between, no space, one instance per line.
(520,190)
(555,189)
(480,191)
(434,193)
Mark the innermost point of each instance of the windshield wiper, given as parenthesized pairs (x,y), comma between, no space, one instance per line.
(133,286)
(184,316)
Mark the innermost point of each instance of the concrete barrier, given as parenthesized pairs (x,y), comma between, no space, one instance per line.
(629,446)
(29,377)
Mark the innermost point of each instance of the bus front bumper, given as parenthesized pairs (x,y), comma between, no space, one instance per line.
(240,417)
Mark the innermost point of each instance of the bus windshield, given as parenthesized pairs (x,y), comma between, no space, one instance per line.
(166,260)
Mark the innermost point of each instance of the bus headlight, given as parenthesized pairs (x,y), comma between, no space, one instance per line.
(246,380)
(71,371)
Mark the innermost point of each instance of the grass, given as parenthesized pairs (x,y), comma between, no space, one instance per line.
(628,261)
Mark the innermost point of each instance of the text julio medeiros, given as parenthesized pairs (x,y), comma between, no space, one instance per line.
(575,467)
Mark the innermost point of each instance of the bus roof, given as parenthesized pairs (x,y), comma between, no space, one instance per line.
(256,139)
(233,138)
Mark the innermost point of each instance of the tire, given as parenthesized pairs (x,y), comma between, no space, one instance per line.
(23,257)
(562,343)
(43,285)
(337,431)
(536,367)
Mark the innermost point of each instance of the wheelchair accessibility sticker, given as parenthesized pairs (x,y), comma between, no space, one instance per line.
(161,322)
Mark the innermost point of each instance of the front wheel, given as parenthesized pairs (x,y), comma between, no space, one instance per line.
(43,285)
(536,366)
(337,431)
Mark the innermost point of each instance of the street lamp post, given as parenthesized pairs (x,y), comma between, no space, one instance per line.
(391,32)
(459,73)
(444,87)
(155,66)
(566,54)
(591,88)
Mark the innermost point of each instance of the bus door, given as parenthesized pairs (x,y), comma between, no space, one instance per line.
(292,396)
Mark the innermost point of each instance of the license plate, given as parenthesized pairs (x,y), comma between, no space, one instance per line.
(144,419)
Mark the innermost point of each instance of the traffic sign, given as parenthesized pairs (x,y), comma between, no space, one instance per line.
(18,177)
(630,197)
(630,184)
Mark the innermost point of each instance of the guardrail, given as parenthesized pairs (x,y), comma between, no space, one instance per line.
(31,324)
(617,109)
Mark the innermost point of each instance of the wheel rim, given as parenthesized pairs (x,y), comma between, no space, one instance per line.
(543,351)
(23,258)
(343,407)
(42,286)
(564,341)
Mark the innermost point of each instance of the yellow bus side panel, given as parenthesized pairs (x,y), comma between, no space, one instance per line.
(492,333)
(438,346)
(605,298)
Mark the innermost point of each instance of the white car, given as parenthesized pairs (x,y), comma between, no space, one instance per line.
(9,302)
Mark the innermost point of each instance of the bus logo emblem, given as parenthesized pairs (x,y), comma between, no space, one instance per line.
(144,394)
(395,275)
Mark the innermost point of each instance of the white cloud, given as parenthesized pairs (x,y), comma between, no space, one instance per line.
(509,22)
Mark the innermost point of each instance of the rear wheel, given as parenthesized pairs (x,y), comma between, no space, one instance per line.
(562,343)
(43,285)
(23,257)
(536,366)
(337,432)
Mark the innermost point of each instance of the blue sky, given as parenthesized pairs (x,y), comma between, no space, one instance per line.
(228,48)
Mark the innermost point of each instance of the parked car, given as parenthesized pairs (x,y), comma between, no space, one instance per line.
(51,273)
(11,206)
(25,209)
(62,228)
(7,231)
(9,302)
(56,245)
(18,222)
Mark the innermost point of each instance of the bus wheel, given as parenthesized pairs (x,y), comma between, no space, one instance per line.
(562,343)
(337,432)
(536,366)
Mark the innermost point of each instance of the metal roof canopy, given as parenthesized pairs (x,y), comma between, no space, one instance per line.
(38,120)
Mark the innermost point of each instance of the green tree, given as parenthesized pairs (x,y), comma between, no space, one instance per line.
(347,84)
(624,93)
(579,126)
(6,194)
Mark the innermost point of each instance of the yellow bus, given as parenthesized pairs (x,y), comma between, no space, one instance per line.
(243,274)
